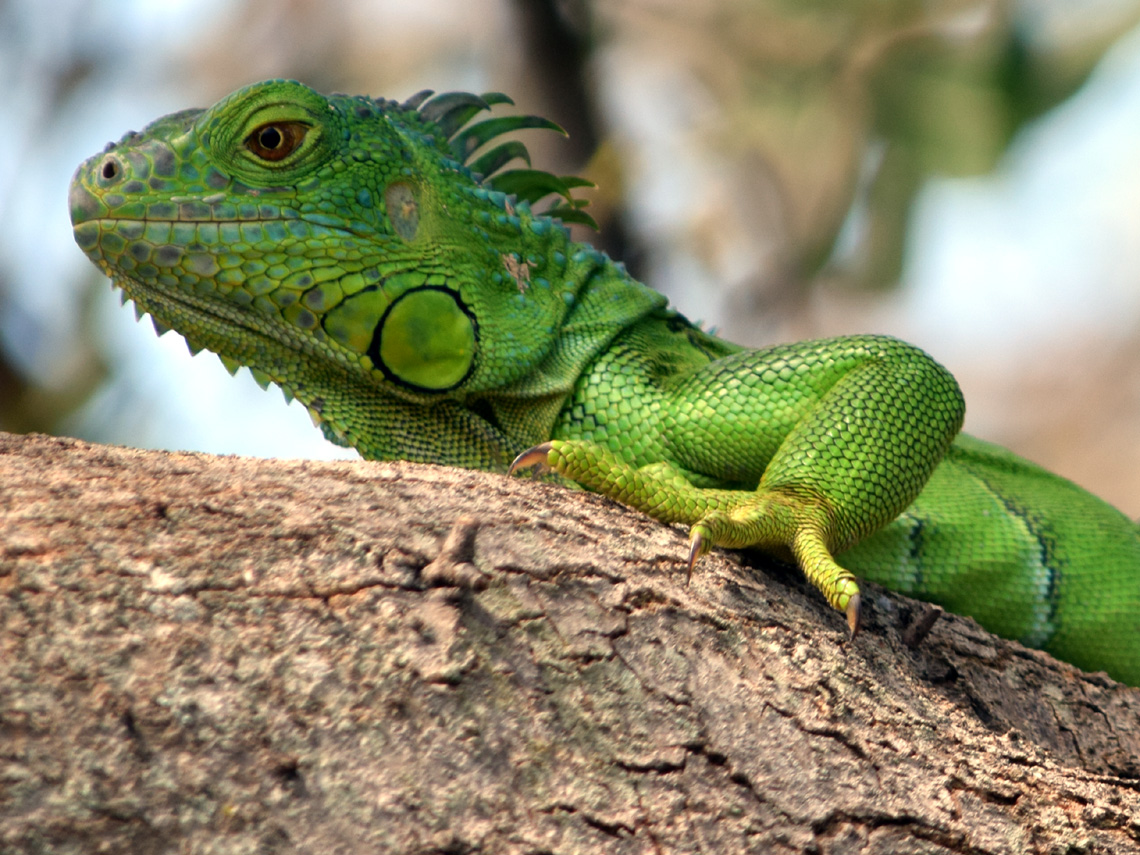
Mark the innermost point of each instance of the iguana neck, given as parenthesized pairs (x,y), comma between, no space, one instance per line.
(603,301)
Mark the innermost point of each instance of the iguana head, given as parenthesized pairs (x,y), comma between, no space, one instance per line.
(321,239)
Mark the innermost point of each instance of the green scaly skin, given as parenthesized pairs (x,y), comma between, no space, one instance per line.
(347,250)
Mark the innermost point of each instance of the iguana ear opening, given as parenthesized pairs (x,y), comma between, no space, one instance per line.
(426,340)
(402,205)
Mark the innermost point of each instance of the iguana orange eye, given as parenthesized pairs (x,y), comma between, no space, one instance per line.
(276,140)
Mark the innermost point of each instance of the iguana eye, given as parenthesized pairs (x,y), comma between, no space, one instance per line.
(275,141)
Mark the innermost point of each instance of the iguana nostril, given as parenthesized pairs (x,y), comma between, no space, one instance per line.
(111,169)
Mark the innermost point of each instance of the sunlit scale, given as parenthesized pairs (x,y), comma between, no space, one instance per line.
(347,250)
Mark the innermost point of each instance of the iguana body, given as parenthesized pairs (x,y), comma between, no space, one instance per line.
(347,250)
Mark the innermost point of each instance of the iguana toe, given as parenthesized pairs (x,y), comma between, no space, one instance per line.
(854,614)
(534,456)
(698,546)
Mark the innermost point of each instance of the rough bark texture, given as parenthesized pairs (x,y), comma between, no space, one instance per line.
(203,654)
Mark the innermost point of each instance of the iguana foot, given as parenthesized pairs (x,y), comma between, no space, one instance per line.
(731,518)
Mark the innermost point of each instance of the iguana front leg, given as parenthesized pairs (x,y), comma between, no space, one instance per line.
(841,436)
(730,518)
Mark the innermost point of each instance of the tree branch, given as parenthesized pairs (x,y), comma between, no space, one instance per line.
(219,654)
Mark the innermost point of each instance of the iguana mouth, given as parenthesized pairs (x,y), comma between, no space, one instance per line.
(173,304)
(163,305)
(249,336)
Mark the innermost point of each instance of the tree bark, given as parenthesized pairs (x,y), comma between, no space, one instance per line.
(211,654)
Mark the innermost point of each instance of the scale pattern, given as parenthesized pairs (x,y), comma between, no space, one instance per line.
(378,262)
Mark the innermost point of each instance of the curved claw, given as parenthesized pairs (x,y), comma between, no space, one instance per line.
(534,456)
(696,549)
(854,615)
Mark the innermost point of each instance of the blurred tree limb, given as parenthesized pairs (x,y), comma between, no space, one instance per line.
(218,654)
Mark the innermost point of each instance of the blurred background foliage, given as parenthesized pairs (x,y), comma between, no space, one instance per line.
(956,172)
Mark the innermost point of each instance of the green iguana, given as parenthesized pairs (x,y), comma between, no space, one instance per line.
(376,261)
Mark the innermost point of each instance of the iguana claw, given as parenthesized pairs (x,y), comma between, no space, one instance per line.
(534,456)
(854,615)
(696,549)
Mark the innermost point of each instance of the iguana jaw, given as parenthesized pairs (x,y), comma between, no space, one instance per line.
(304,363)
(272,352)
